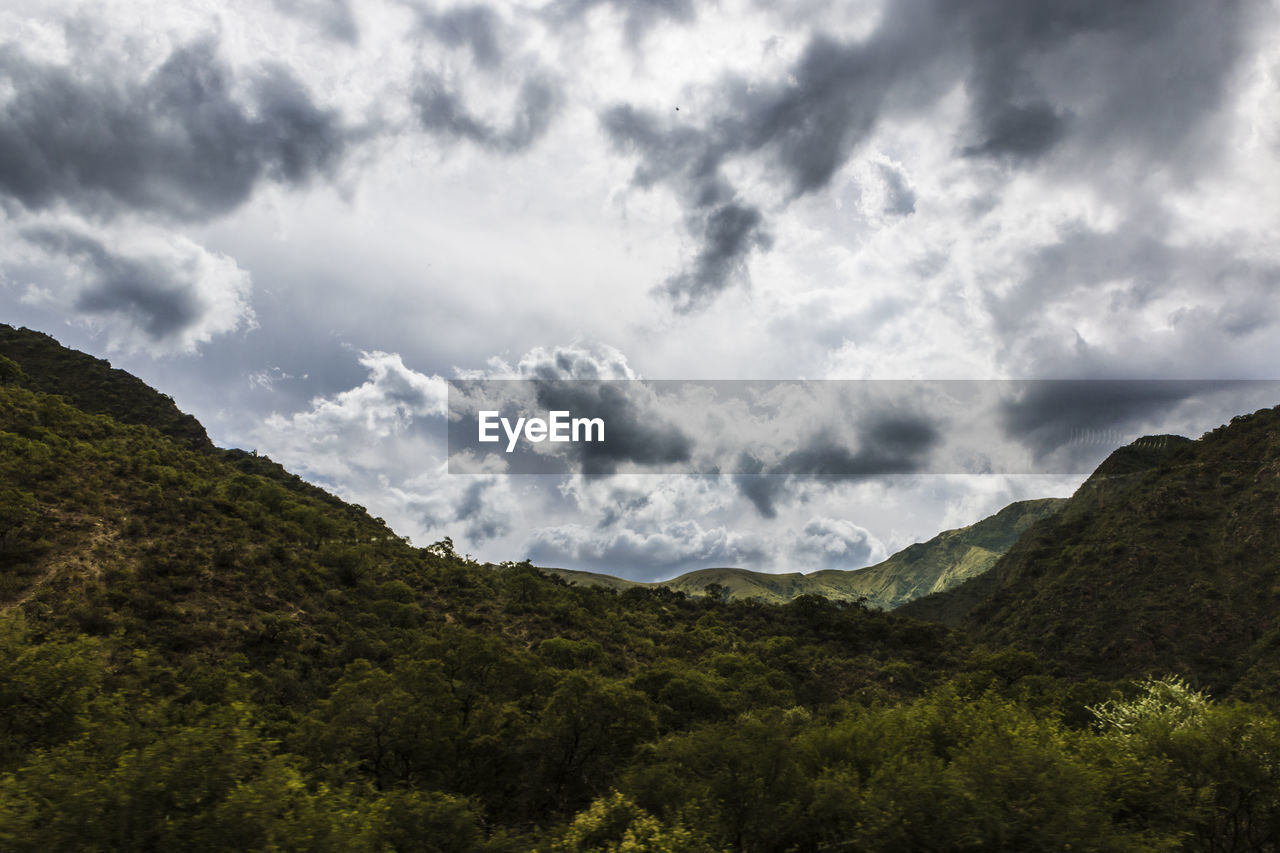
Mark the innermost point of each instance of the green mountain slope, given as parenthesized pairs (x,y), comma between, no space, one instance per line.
(1166,559)
(93,385)
(200,652)
(945,561)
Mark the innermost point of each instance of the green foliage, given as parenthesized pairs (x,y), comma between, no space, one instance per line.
(210,782)
(45,688)
(200,652)
(37,361)
(741,781)
(615,824)
(1208,772)
(428,822)
(11,373)
(1164,560)
(1165,704)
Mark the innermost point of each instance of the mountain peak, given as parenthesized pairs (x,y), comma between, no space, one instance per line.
(1163,560)
(93,385)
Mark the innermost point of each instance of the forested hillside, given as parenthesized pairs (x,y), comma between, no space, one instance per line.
(94,385)
(201,652)
(1166,559)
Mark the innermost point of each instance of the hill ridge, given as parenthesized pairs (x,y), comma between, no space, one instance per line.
(1174,567)
(93,385)
(939,563)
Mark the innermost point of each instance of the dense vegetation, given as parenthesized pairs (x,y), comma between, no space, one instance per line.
(200,652)
(1168,558)
(94,385)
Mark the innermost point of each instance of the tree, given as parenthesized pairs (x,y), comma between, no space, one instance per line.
(615,824)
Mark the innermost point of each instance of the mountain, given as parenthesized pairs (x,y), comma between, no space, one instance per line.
(200,652)
(1167,559)
(945,561)
(93,385)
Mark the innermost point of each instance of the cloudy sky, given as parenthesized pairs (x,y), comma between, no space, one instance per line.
(300,217)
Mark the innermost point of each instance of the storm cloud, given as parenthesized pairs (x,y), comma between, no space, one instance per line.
(1034,76)
(639,16)
(1051,415)
(297,216)
(162,293)
(441,111)
(478,28)
(633,433)
(886,444)
(481,522)
(178,143)
(503,62)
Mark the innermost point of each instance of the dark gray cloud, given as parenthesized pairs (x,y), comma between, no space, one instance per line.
(1033,79)
(442,111)
(160,296)
(1223,294)
(891,444)
(178,143)
(1018,132)
(445,112)
(831,98)
(1039,72)
(900,199)
(806,128)
(762,488)
(729,233)
(623,504)
(332,17)
(639,15)
(1051,415)
(478,28)
(633,433)
(726,229)
(482,522)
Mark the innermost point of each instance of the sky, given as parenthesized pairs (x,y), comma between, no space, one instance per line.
(299,218)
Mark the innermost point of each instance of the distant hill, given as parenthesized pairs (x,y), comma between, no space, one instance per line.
(1166,559)
(945,561)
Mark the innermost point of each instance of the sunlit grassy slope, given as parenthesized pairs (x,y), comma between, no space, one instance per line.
(945,561)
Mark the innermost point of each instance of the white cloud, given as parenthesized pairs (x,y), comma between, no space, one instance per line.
(363,430)
(835,543)
(143,289)
(915,260)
